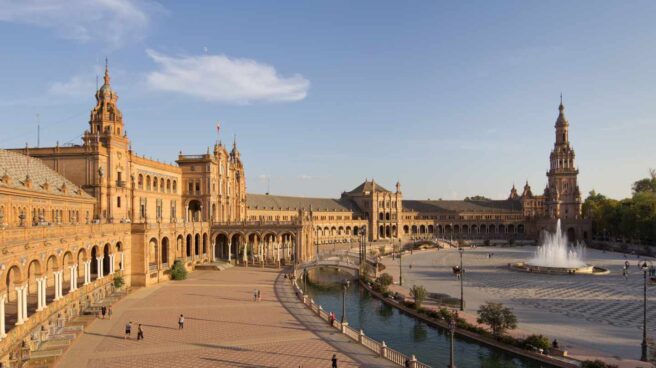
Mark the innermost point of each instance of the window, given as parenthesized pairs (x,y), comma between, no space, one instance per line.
(173,210)
(118,202)
(118,176)
(197,187)
(191,187)
(140,181)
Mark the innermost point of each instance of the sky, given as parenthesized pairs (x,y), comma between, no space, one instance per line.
(452,99)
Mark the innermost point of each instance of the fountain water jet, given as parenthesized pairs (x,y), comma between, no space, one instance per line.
(556,256)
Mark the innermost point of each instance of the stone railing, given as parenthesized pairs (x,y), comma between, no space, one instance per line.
(379,348)
(49,233)
(59,311)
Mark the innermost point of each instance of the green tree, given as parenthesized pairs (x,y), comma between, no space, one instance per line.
(498,317)
(537,341)
(419,293)
(383,282)
(178,272)
(646,184)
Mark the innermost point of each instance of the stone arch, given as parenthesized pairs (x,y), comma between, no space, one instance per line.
(422,229)
(153,252)
(502,229)
(431,229)
(179,247)
(465,229)
(106,261)
(195,210)
(491,229)
(388,231)
(474,229)
(356,230)
(14,277)
(188,246)
(511,228)
(381,231)
(413,229)
(520,228)
(456,229)
(95,250)
(406,229)
(482,229)
(197,245)
(319,231)
(380,216)
(571,235)
(237,240)
(165,251)
(205,244)
(348,231)
(340,230)
(221,246)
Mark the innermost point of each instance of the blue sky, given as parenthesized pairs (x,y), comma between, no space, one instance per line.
(452,99)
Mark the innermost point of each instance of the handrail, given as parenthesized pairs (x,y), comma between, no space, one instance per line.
(358,336)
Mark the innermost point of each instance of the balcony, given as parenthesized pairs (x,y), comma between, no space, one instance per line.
(121,183)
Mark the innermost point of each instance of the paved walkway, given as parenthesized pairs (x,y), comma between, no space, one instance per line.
(589,315)
(224,328)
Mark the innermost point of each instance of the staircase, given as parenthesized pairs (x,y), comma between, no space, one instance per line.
(214,266)
(47,352)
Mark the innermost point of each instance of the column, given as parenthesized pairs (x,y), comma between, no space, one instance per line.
(99,264)
(58,284)
(3,300)
(87,272)
(19,305)
(73,285)
(212,250)
(25,316)
(229,251)
(111,264)
(40,293)
(122,265)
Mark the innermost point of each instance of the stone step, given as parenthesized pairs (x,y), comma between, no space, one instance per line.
(55,344)
(42,354)
(74,329)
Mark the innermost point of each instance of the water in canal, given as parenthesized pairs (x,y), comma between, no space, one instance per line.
(400,331)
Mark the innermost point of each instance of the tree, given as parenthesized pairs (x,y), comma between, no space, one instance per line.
(178,272)
(537,341)
(419,293)
(477,198)
(498,317)
(646,184)
(383,282)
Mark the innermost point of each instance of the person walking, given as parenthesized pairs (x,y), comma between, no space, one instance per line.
(181,322)
(140,335)
(109,313)
(103,311)
(259,295)
(334,360)
(254,295)
(128,330)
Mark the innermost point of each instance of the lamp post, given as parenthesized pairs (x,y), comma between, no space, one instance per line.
(305,280)
(452,331)
(400,266)
(462,276)
(345,286)
(645,349)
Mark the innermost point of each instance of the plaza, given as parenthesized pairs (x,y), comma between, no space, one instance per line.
(598,315)
(224,327)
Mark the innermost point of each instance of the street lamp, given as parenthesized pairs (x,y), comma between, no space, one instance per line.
(345,286)
(645,349)
(461,250)
(452,331)
(400,266)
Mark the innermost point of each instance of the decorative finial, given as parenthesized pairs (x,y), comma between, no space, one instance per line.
(106,71)
(561,107)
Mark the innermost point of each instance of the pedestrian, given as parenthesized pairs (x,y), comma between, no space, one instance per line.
(128,330)
(332,319)
(103,311)
(624,273)
(140,335)
(181,322)
(407,363)
(259,295)
(254,295)
(109,313)
(334,360)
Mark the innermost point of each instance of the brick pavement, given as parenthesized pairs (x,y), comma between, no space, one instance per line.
(224,328)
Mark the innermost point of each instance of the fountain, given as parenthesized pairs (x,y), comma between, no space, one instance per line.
(555,255)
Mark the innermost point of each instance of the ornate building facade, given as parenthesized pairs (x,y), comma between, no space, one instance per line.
(71,216)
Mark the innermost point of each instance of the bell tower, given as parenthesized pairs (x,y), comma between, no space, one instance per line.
(563,197)
(106,119)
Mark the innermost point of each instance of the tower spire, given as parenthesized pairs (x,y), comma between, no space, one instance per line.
(107,71)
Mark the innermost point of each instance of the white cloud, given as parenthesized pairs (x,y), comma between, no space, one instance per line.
(304,177)
(224,79)
(77,86)
(112,21)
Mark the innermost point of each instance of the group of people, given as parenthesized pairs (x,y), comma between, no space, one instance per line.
(128,331)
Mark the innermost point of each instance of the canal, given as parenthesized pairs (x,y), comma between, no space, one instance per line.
(400,331)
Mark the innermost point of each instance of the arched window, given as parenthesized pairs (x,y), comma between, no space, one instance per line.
(147,182)
(175,186)
(140,181)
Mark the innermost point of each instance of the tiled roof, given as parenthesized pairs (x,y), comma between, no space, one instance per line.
(265,201)
(17,167)
(505,205)
(368,186)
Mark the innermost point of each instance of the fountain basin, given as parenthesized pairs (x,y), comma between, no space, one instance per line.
(533,268)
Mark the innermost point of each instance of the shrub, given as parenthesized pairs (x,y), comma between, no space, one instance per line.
(383,282)
(419,293)
(178,272)
(537,341)
(498,317)
(596,364)
(118,281)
